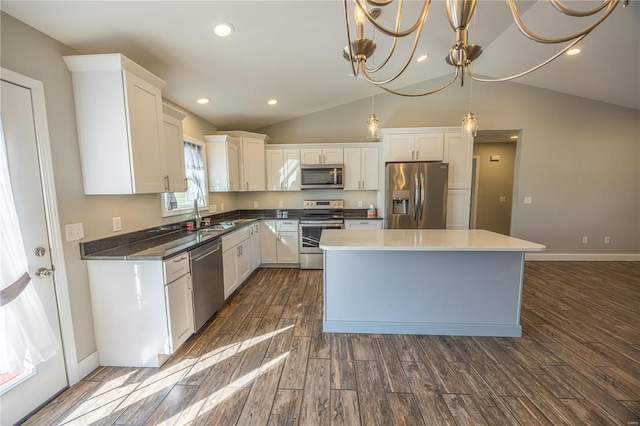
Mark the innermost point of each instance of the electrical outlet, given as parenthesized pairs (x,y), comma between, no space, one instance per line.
(528,200)
(213,208)
(585,240)
(255,204)
(221,207)
(360,203)
(74,231)
(117,224)
(503,199)
(280,203)
(607,240)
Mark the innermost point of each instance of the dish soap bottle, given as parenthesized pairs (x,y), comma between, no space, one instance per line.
(371,212)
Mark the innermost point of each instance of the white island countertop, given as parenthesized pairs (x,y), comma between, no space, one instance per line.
(423,240)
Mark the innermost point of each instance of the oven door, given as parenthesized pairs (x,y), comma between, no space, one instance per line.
(310,235)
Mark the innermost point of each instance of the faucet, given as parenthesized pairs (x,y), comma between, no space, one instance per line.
(196,214)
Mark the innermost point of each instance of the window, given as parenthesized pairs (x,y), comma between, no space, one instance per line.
(174,203)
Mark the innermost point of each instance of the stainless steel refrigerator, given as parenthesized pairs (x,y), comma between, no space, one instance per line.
(417,195)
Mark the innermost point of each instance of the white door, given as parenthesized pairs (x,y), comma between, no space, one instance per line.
(27,391)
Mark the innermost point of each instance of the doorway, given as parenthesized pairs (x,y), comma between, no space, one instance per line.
(35,376)
(494,159)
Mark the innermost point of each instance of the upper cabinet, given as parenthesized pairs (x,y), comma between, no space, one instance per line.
(361,168)
(458,152)
(252,160)
(283,169)
(175,179)
(321,156)
(223,163)
(413,146)
(120,125)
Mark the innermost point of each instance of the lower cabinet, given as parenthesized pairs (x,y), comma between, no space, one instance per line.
(279,242)
(362,224)
(256,252)
(458,202)
(236,259)
(142,310)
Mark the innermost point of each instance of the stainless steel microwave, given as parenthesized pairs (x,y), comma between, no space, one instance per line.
(319,176)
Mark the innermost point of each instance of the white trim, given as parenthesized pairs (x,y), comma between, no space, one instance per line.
(87,365)
(635,257)
(52,217)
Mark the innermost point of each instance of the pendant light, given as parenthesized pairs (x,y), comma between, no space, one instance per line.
(372,124)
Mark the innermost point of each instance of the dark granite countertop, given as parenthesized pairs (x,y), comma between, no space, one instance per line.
(163,242)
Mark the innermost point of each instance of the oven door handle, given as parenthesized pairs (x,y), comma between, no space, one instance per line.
(322,225)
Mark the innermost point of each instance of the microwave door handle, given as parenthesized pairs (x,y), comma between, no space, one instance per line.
(335,175)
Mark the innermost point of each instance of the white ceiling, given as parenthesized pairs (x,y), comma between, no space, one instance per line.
(291,50)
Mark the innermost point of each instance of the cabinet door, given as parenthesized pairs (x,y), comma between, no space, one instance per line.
(292,169)
(233,166)
(458,152)
(363,224)
(429,146)
(179,296)
(230,267)
(458,206)
(332,156)
(146,138)
(311,156)
(369,168)
(174,155)
(244,260)
(399,147)
(256,255)
(288,247)
(268,247)
(352,170)
(276,171)
(253,164)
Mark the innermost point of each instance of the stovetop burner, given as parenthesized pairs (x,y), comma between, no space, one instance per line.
(323,210)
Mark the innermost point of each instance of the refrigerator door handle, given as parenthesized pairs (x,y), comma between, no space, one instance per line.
(416,197)
(421,196)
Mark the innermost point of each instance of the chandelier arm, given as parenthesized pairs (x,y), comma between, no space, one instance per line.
(365,71)
(560,7)
(414,95)
(393,43)
(346,19)
(418,24)
(379,2)
(493,80)
(535,37)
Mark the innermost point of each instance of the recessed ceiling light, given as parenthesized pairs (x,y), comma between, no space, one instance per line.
(574,51)
(272,101)
(203,101)
(223,29)
(422,58)
(514,137)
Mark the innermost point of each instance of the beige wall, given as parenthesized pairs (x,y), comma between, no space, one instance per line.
(33,54)
(578,159)
(495,179)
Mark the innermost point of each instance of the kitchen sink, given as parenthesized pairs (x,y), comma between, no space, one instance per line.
(219,226)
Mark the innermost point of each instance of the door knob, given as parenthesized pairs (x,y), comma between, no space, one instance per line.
(44,273)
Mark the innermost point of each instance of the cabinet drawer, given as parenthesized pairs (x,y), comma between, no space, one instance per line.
(287,225)
(175,267)
(235,238)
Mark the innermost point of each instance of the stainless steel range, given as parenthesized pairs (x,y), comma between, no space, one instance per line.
(318,215)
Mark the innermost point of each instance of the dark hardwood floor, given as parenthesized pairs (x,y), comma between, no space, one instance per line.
(265,360)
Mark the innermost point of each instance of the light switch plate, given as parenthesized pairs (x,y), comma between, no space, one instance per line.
(528,200)
(503,199)
(74,231)
(280,203)
(213,208)
(117,224)
(255,204)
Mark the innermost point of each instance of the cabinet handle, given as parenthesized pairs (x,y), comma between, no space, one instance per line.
(319,159)
(412,154)
(166,183)
(181,259)
(251,230)
(186,184)
(247,186)
(417,155)
(324,158)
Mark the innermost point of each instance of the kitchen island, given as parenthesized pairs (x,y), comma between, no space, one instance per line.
(451,282)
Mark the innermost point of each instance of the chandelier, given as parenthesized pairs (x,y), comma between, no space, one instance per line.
(462,54)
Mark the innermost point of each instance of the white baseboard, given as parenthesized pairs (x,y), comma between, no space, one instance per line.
(583,256)
(87,365)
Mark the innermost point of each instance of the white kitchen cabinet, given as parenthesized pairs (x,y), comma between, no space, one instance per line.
(256,252)
(328,155)
(361,168)
(458,152)
(413,146)
(120,125)
(175,179)
(279,242)
(142,310)
(252,160)
(223,163)
(362,224)
(236,259)
(283,169)
(458,208)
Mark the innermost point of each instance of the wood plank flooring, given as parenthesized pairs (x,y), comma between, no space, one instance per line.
(264,360)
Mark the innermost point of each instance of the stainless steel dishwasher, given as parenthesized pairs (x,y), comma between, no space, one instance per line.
(208,281)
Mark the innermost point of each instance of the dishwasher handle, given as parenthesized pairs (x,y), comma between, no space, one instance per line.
(201,253)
